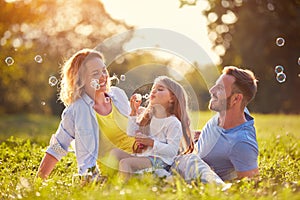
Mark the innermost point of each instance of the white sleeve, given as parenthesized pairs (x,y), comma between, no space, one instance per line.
(132,126)
(173,137)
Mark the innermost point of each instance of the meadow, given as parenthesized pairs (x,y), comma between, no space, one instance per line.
(24,138)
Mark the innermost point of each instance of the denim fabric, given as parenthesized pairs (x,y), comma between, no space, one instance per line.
(157,162)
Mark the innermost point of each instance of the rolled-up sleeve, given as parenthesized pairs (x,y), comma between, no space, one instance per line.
(78,123)
(60,141)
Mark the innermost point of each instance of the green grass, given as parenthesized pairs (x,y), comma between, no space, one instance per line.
(21,154)
(37,128)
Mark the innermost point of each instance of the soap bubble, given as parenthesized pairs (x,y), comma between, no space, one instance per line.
(122,77)
(270,6)
(43,103)
(146,96)
(95,84)
(279,69)
(52,81)
(9,61)
(280,41)
(107,100)
(38,59)
(154,189)
(138,97)
(281,77)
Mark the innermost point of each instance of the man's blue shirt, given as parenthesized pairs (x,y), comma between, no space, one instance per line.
(227,151)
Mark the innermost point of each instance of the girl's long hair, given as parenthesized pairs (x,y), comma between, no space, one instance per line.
(72,75)
(177,108)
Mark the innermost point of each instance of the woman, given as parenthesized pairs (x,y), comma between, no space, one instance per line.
(92,106)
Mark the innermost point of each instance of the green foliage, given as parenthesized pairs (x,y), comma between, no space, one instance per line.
(278,163)
(247,31)
(53,30)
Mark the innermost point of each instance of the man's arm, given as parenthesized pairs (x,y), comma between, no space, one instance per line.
(244,159)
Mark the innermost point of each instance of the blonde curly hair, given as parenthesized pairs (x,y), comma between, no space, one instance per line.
(72,81)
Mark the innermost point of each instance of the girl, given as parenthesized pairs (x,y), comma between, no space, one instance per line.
(158,130)
(92,106)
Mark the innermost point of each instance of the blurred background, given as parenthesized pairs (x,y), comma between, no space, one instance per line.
(37,36)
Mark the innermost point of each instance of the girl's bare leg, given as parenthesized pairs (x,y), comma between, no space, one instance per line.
(115,156)
(119,154)
(127,166)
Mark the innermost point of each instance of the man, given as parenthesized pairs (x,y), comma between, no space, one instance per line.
(227,143)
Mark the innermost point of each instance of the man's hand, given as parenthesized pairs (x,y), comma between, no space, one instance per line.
(249,174)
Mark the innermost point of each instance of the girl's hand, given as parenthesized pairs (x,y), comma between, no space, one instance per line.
(145,141)
(135,102)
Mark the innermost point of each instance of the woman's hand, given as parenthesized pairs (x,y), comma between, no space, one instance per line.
(135,102)
(196,135)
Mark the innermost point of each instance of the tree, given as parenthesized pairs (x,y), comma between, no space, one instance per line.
(35,37)
(244,33)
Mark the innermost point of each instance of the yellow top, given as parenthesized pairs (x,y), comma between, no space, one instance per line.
(113,132)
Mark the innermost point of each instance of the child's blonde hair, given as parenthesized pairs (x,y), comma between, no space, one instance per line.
(178,108)
(72,75)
